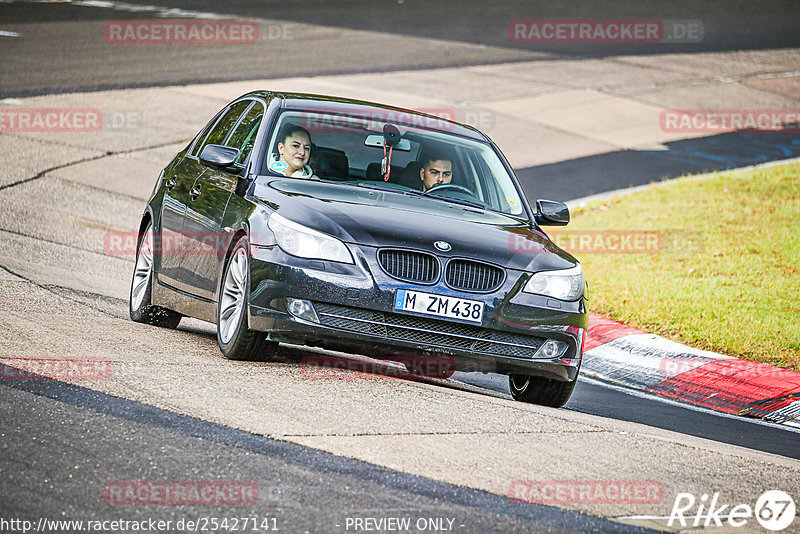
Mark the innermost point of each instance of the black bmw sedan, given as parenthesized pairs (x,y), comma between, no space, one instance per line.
(365,228)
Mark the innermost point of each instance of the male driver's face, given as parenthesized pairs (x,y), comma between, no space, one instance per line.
(436,173)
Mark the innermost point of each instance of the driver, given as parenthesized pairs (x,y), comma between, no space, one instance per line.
(437,169)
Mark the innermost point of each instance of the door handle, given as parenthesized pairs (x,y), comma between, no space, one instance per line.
(194,193)
(170,183)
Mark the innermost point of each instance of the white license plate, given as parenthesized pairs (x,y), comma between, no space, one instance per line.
(439,305)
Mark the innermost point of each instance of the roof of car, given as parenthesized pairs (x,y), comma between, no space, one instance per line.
(361,108)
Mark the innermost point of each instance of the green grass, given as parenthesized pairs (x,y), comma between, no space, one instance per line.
(728,276)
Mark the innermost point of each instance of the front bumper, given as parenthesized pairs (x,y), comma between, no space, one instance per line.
(354,304)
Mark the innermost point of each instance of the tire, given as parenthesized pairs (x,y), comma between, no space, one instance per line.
(236,340)
(139,300)
(540,390)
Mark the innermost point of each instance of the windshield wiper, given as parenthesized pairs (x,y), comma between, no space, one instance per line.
(456,200)
(379,187)
(415,193)
(411,192)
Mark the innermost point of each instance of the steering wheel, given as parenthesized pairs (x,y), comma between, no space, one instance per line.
(453,187)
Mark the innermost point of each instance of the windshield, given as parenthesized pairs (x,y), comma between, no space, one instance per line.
(367,152)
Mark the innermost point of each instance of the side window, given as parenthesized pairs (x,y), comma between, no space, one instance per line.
(224,125)
(244,136)
(198,139)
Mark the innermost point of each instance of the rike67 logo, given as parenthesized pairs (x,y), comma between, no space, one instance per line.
(774,510)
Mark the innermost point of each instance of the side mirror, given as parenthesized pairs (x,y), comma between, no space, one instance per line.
(222,157)
(551,213)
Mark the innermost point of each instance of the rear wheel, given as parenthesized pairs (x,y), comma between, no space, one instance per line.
(236,340)
(540,390)
(139,302)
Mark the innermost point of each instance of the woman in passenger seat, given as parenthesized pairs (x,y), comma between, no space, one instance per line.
(293,151)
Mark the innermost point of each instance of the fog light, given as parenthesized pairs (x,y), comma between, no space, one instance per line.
(302,309)
(552,349)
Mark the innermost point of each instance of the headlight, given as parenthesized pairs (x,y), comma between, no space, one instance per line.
(566,284)
(297,240)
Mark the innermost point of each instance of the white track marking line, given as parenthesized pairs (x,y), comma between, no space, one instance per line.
(159,11)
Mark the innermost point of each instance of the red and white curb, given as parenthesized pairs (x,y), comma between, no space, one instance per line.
(626,356)
(618,354)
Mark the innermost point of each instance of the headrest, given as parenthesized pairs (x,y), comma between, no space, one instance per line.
(329,163)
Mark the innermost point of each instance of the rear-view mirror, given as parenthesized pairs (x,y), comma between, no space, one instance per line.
(377,141)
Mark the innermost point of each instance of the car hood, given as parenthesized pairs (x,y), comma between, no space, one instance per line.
(388,219)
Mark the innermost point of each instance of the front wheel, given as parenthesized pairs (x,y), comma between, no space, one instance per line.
(540,390)
(139,301)
(236,340)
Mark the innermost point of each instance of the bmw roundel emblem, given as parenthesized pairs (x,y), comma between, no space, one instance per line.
(444,246)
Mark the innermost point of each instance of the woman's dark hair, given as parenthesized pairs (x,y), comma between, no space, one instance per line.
(288,130)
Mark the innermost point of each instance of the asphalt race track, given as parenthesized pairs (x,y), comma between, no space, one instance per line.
(353,36)
(303,488)
(323,454)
